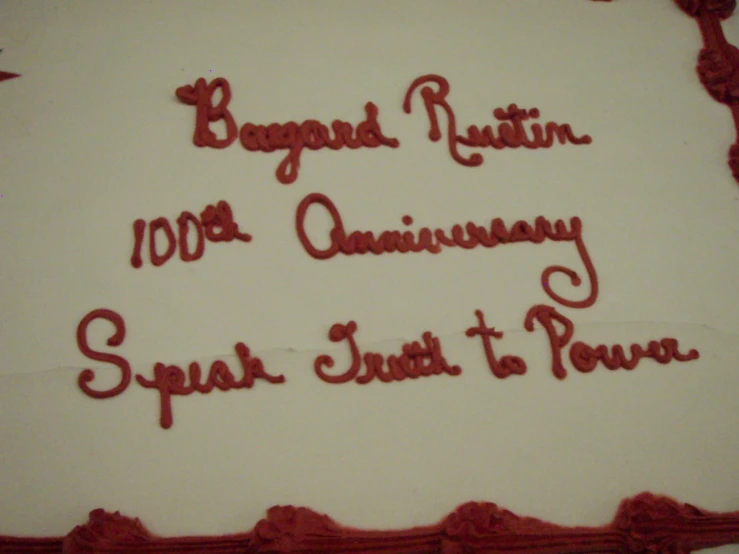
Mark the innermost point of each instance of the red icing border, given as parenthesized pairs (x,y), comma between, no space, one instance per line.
(646,523)
(718,61)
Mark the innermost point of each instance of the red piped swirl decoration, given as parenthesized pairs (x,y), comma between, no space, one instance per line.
(288,529)
(718,61)
(645,524)
(107,532)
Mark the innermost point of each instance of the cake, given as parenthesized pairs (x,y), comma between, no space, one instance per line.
(369,276)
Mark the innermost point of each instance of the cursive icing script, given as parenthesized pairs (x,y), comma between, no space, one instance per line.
(585,358)
(290,136)
(469,236)
(169,380)
(417,360)
(510,132)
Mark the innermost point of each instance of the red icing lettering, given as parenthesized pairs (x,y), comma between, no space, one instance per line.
(547,316)
(253,368)
(201,96)
(290,136)
(154,226)
(168,380)
(470,236)
(511,132)
(216,224)
(508,365)
(417,360)
(585,358)
(221,216)
(172,380)
(116,339)
(139,228)
(183,223)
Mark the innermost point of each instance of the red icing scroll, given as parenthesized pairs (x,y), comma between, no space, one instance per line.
(416,360)
(718,61)
(510,131)
(290,136)
(470,236)
(646,523)
(216,224)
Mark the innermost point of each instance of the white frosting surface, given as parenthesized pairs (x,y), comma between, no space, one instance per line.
(92,138)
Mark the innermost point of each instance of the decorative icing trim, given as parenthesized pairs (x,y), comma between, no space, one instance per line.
(718,61)
(646,523)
